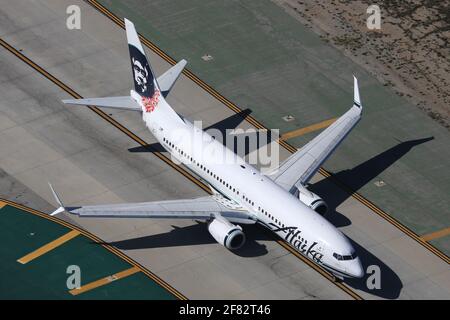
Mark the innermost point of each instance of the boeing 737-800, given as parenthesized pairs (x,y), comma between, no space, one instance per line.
(241,194)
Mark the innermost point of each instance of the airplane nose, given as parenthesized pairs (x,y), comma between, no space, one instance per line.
(356,269)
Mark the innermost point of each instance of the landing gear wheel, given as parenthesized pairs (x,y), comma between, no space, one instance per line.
(336,279)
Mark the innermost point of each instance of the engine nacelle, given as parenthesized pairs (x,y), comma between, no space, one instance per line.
(312,200)
(226,233)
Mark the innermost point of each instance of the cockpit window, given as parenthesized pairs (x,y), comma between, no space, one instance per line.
(337,256)
(348,257)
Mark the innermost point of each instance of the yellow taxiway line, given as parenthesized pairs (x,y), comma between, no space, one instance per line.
(48,247)
(105,280)
(2,204)
(436,234)
(308,129)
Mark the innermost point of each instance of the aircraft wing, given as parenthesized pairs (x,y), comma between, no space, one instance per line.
(303,164)
(203,208)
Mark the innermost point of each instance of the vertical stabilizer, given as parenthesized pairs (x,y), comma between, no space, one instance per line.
(144,80)
(147,92)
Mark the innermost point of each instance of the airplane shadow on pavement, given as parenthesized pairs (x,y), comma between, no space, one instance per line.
(355,179)
(390,284)
(196,234)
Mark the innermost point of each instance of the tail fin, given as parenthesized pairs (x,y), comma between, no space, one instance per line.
(147,94)
(145,83)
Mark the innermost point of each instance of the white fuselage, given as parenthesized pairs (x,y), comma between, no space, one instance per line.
(272,206)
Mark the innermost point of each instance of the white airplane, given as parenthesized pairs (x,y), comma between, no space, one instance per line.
(279,200)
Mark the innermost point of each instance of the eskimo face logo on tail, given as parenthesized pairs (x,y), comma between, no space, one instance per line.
(142,75)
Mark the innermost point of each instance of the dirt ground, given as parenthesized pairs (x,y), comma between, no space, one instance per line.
(410,52)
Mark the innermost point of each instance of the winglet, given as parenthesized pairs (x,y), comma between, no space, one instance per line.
(356,99)
(61,206)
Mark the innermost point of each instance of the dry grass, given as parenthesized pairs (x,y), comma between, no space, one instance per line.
(411,52)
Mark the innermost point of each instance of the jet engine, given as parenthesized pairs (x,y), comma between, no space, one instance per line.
(312,200)
(226,233)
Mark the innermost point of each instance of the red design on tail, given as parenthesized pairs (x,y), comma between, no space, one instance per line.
(151,103)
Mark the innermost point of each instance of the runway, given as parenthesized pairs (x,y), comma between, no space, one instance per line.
(87,159)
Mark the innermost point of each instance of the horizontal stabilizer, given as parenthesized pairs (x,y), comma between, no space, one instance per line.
(124,103)
(168,79)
